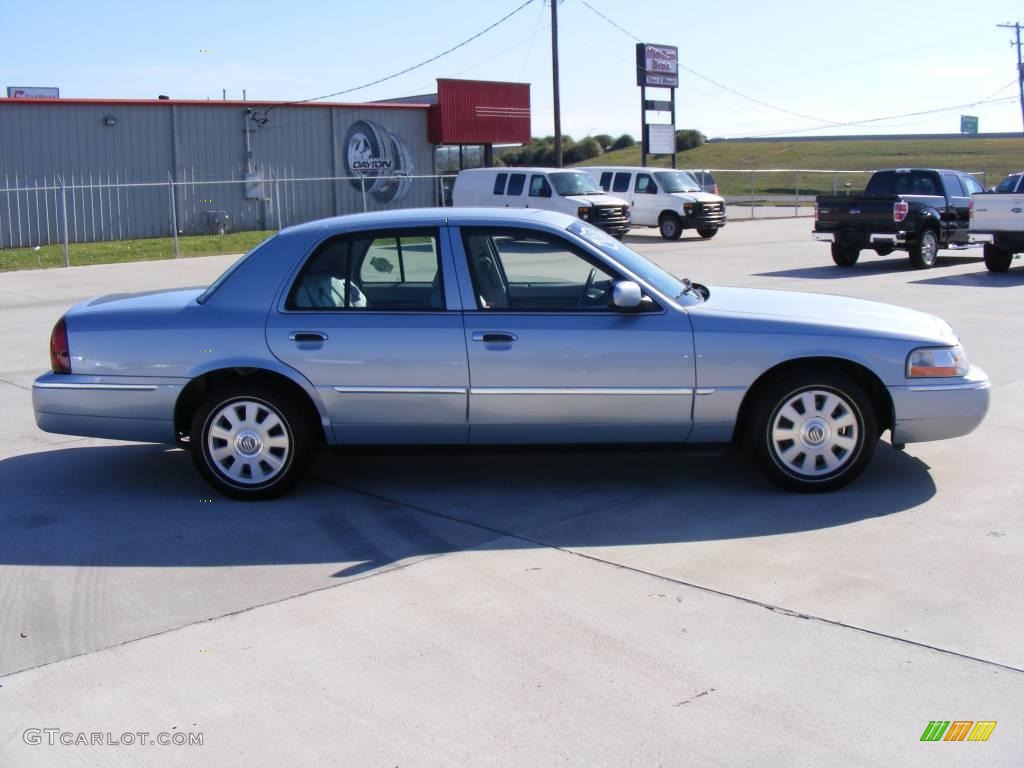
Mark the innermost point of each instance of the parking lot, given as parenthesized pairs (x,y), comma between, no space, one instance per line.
(522,607)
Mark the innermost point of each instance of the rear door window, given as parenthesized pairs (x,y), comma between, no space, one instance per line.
(621,182)
(606,181)
(499,183)
(516,181)
(1009,184)
(952,183)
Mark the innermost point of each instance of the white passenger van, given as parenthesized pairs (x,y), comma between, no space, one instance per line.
(664,198)
(551,189)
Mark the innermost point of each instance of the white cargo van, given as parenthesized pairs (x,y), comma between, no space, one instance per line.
(664,198)
(551,189)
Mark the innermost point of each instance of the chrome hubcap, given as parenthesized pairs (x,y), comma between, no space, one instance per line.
(814,433)
(247,442)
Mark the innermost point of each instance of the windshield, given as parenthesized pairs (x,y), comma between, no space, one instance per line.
(647,271)
(574,183)
(676,181)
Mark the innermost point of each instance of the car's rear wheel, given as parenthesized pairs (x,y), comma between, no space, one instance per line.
(997,259)
(250,442)
(814,430)
(707,233)
(670,226)
(924,252)
(845,255)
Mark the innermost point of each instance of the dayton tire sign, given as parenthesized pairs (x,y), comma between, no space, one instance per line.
(379,160)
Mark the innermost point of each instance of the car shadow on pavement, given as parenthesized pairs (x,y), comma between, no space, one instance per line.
(145,506)
(866,268)
(986,279)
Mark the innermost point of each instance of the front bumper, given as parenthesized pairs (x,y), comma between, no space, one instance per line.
(113,407)
(938,409)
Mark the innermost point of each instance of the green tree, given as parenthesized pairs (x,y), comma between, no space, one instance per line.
(625,140)
(689,139)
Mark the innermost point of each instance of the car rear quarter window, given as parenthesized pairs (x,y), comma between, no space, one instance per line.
(499,183)
(606,181)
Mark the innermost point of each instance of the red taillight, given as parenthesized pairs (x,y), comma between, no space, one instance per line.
(60,355)
(900,210)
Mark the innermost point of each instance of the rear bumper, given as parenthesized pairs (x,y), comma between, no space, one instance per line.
(865,239)
(939,409)
(113,407)
(981,237)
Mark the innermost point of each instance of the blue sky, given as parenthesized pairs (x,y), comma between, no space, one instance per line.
(811,64)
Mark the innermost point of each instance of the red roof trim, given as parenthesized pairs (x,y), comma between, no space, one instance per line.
(211,103)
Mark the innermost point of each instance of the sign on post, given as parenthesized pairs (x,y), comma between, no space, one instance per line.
(657,66)
(968,124)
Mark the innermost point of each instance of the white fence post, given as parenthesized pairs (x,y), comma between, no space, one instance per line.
(64,210)
(174,216)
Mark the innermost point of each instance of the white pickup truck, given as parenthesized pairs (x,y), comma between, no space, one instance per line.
(997,220)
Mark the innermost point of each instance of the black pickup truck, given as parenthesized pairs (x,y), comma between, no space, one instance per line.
(918,210)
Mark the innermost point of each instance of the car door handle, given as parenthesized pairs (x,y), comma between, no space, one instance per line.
(307,336)
(494,336)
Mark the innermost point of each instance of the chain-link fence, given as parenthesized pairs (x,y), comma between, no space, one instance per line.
(168,218)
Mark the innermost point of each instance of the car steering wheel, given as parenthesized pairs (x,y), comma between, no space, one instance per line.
(586,288)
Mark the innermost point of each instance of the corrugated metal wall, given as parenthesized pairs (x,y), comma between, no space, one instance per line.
(115,177)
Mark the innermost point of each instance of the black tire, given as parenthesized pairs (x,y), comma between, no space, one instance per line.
(369,154)
(841,422)
(708,233)
(883,250)
(844,254)
(670,226)
(252,405)
(997,259)
(925,251)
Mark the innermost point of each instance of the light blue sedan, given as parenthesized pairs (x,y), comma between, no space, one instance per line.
(488,326)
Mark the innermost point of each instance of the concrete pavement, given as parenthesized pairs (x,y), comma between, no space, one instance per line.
(521,607)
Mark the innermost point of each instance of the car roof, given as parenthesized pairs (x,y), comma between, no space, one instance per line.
(433,217)
(521,169)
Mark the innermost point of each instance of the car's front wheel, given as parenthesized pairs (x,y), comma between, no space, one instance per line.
(670,226)
(250,442)
(814,430)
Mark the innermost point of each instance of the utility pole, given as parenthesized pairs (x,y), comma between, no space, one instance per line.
(1020,66)
(554,75)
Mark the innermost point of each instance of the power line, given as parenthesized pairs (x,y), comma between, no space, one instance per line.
(708,79)
(423,63)
(887,117)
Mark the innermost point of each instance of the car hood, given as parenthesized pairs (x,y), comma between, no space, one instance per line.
(794,312)
(596,199)
(700,197)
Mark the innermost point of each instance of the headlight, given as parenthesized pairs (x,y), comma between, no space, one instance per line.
(937,361)
(583,212)
(688,209)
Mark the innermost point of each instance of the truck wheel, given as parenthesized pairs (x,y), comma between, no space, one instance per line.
(250,441)
(670,226)
(844,254)
(997,259)
(925,250)
(814,429)
(707,234)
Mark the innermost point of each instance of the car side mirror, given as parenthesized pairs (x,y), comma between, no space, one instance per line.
(626,295)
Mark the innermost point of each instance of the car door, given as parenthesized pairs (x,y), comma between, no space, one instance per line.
(644,200)
(368,321)
(958,216)
(550,361)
